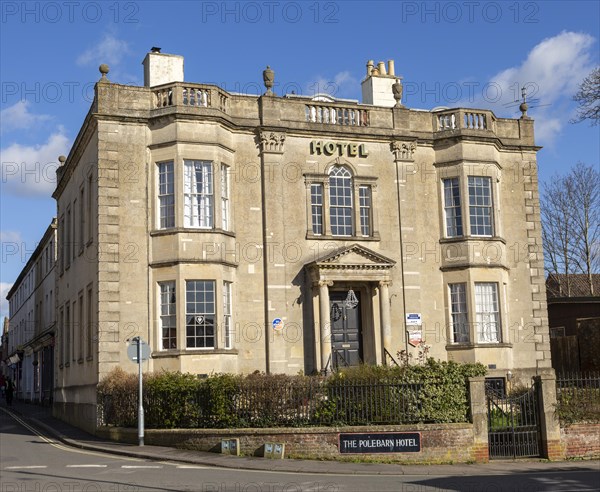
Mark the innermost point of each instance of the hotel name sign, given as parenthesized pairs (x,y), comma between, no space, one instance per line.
(348,149)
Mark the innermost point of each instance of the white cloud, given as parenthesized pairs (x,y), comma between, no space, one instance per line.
(342,85)
(109,50)
(31,170)
(551,73)
(18,116)
(4,288)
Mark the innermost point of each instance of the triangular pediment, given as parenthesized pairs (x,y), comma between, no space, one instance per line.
(353,256)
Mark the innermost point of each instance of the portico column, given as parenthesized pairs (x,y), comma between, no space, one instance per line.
(325,323)
(384,308)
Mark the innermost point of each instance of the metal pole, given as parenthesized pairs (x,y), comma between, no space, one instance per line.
(140,401)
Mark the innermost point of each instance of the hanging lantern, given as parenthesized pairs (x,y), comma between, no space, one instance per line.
(351,301)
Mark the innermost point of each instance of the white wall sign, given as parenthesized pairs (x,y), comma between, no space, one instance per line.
(413,319)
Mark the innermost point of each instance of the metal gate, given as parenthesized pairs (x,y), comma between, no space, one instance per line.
(513,424)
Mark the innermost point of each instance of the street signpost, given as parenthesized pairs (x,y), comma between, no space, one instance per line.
(139,351)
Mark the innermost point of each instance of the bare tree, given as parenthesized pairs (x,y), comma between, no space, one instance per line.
(588,97)
(570,207)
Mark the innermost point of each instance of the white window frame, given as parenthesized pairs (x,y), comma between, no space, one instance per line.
(225,204)
(167,314)
(459,312)
(316,208)
(198,318)
(487,313)
(453,217)
(166,193)
(341,202)
(227,315)
(198,203)
(480,205)
(365,198)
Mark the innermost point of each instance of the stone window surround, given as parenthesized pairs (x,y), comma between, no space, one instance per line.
(357,182)
(180,321)
(177,154)
(471,276)
(462,170)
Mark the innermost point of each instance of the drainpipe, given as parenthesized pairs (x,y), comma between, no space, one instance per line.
(401,257)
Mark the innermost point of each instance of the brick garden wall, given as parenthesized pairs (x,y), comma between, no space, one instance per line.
(581,440)
(440,443)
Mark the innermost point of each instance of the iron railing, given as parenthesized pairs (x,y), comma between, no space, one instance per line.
(309,402)
(578,396)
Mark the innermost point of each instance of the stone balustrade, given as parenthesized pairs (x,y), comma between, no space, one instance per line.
(463,119)
(190,95)
(336,115)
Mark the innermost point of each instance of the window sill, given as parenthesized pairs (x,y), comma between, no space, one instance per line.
(311,236)
(80,360)
(193,351)
(189,230)
(471,346)
(471,238)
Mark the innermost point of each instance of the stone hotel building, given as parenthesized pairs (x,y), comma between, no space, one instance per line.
(287,233)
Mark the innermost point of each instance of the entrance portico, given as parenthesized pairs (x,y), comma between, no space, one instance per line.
(348,332)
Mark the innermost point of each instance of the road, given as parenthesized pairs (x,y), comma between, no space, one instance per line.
(32,462)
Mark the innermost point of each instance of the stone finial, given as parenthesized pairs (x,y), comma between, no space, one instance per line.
(269,79)
(397,91)
(523,106)
(62,159)
(104,70)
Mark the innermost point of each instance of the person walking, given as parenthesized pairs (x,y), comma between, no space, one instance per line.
(2,385)
(8,391)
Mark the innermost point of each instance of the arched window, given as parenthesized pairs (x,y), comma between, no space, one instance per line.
(340,201)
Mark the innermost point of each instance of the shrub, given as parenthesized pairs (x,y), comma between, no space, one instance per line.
(432,392)
(171,400)
(118,398)
(578,405)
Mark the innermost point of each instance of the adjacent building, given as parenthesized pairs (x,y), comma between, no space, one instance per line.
(239,233)
(30,333)
(574,321)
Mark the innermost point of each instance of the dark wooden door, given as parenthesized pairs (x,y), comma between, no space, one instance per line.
(346,333)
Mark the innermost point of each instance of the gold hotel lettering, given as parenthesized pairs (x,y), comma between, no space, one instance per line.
(340,148)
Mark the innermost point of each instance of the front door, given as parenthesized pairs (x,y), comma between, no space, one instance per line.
(346,333)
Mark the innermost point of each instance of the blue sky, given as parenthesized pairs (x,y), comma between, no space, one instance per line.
(473,54)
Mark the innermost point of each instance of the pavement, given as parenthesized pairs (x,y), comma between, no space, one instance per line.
(41,419)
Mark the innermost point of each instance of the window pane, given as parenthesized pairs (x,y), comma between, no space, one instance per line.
(200,314)
(452,207)
(227,315)
(316,205)
(340,201)
(166,197)
(198,194)
(168,316)
(365,210)
(480,206)
(487,313)
(460,316)
(225,197)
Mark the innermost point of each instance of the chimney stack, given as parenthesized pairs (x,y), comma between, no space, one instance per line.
(377,86)
(162,68)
